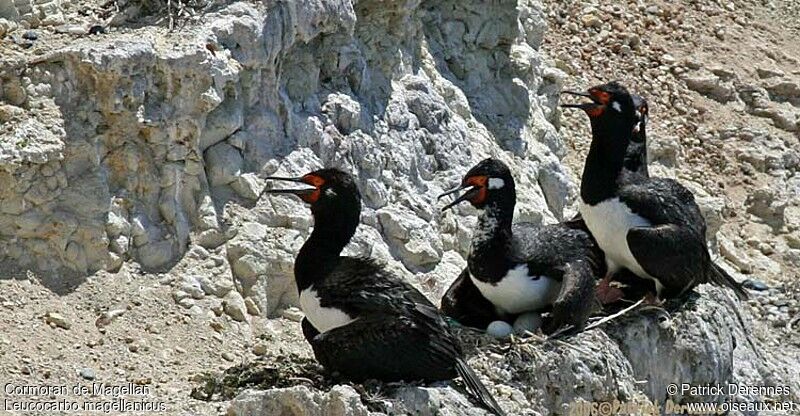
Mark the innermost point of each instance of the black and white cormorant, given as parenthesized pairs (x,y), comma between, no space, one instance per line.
(623,284)
(362,321)
(650,226)
(513,269)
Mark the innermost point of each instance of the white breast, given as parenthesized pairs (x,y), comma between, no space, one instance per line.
(609,222)
(517,292)
(323,318)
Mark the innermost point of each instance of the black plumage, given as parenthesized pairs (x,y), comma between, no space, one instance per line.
(501,252)
(620,285)
(636,154)
(673,249)
(464,303)
(362,321)
(651,226)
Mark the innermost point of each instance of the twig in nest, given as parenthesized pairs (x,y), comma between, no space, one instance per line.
(302,380)
(613,316)
(531,337)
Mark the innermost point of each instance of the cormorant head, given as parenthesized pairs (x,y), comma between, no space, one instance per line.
(488,181)
(328,191)
(610,107)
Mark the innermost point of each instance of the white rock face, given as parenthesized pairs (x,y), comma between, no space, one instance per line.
(300,401)
(126,148)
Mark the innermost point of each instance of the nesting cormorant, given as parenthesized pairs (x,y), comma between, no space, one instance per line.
(650,226)
(363,321)
(513,269)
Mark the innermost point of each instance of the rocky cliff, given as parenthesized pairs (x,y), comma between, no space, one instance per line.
(138,150)
(138,146)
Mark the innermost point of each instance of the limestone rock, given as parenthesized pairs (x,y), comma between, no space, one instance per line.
(169,157)
(706,341)
(711,84)
(300,401)
(234,306)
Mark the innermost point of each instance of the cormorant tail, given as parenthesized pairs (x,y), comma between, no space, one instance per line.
(722,278)
(477,388)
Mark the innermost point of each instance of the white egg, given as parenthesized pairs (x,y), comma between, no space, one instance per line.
(499,329)
(528,321)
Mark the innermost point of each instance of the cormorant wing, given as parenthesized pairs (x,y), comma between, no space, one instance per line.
(387,347)
(576,299)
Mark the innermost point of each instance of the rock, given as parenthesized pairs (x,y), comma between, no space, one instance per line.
(733,254)
(192,287)
(252,307)
(187,303)
(590,20)
(247,185)
(710,84)
(262,264)
(664,150)
(260,349)
(755,284)
(768,204)
(57,320)
(107,317)
(234,306)
(216,284)
(769,72)
(293,314)
(299,401)
(415,240)
(87,373)
(224,164)
(6,26)
(430,401)
(200,126)
(344,112)
(660,350)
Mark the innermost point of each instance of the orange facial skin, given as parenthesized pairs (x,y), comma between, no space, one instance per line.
(315,181)
(480,182)
(601,96)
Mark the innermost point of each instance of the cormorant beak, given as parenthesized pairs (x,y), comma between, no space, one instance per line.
(295,191)
(583,106)
(471,192)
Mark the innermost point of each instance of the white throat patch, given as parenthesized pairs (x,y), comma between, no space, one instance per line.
(615,105)
(323,318)
(496,183)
